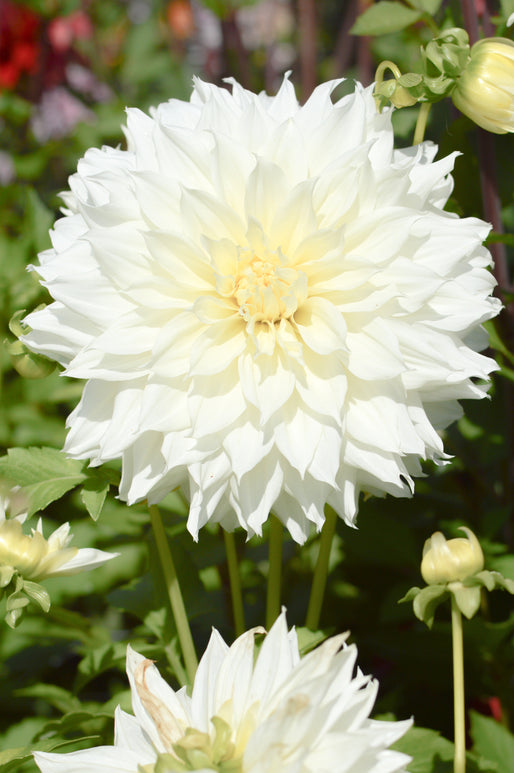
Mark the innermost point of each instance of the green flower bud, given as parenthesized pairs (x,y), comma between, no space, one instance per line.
(485,89)
(451,560)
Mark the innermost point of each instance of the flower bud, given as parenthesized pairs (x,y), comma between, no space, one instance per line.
(451,560)
(485,89)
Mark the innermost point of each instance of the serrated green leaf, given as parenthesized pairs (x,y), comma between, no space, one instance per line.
(492,741)
(384,17)
(44,474)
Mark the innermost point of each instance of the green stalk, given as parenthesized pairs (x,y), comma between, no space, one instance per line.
(319,579)
(421,123)
(235,583)
(276,532)
(174,594)
(459,762)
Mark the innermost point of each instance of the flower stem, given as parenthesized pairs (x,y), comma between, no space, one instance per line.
(421,123)
(276,532)
(459,762)
(174,593)
(319,580)
(235,583)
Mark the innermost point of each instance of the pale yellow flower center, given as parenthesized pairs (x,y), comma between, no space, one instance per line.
(197,750)
(266,288)
(33,556)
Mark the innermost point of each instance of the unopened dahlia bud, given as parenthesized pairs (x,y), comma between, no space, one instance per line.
(485,89)
(451,560)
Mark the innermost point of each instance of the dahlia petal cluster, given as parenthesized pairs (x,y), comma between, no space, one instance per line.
(268,304)
(277,713)
(37,558)
(26,560)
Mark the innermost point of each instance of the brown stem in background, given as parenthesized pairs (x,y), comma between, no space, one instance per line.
(365,68)
(234,53)
(307,29)
(469,12)
(492,212)
(344,47)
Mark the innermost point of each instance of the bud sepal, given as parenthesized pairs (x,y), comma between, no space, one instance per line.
(453,568)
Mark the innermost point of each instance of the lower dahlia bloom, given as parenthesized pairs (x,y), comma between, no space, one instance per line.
(279,714)
(268,303)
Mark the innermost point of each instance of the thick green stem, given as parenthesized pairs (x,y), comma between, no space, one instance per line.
(276,532)
(235,583)
(319,580)
(459,762)
(421,123)
(174,594)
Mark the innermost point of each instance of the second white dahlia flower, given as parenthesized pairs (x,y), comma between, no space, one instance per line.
(278,714)
(268,304)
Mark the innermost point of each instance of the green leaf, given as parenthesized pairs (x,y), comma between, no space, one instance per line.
(93,495)
(468,600)
(10,759)
(493,741)
(38,594)
(385,17)
(427,601)
(44,474)
(63,700)
(308,640)
(429,6)
(426,747)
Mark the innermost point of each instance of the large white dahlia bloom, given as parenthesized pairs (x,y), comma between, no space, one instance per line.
(277,715)
(268,303)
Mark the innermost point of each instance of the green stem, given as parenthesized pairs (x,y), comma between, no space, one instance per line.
(421,123)
(174,594)
(235,583)
(319,580)
(459,762)
(276,531)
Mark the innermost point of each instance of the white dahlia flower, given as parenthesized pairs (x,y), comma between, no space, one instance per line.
(278,714)
(268,303)
(26,560)
(36,558)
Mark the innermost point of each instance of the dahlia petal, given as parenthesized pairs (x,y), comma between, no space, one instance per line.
(104,759)
(268,304)
(129,735)
(321,326)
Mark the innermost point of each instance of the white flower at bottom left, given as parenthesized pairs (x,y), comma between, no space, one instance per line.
(26,559)
(275,713)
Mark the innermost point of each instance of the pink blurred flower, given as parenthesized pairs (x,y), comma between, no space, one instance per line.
(57,114)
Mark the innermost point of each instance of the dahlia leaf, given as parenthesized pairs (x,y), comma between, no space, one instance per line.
(10,759)
(427,748)
(493,741)
(93,495)
(385,17)
(429,6)
(44,474)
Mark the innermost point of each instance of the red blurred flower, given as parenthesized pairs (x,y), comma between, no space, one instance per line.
(65,30)
(19,46)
